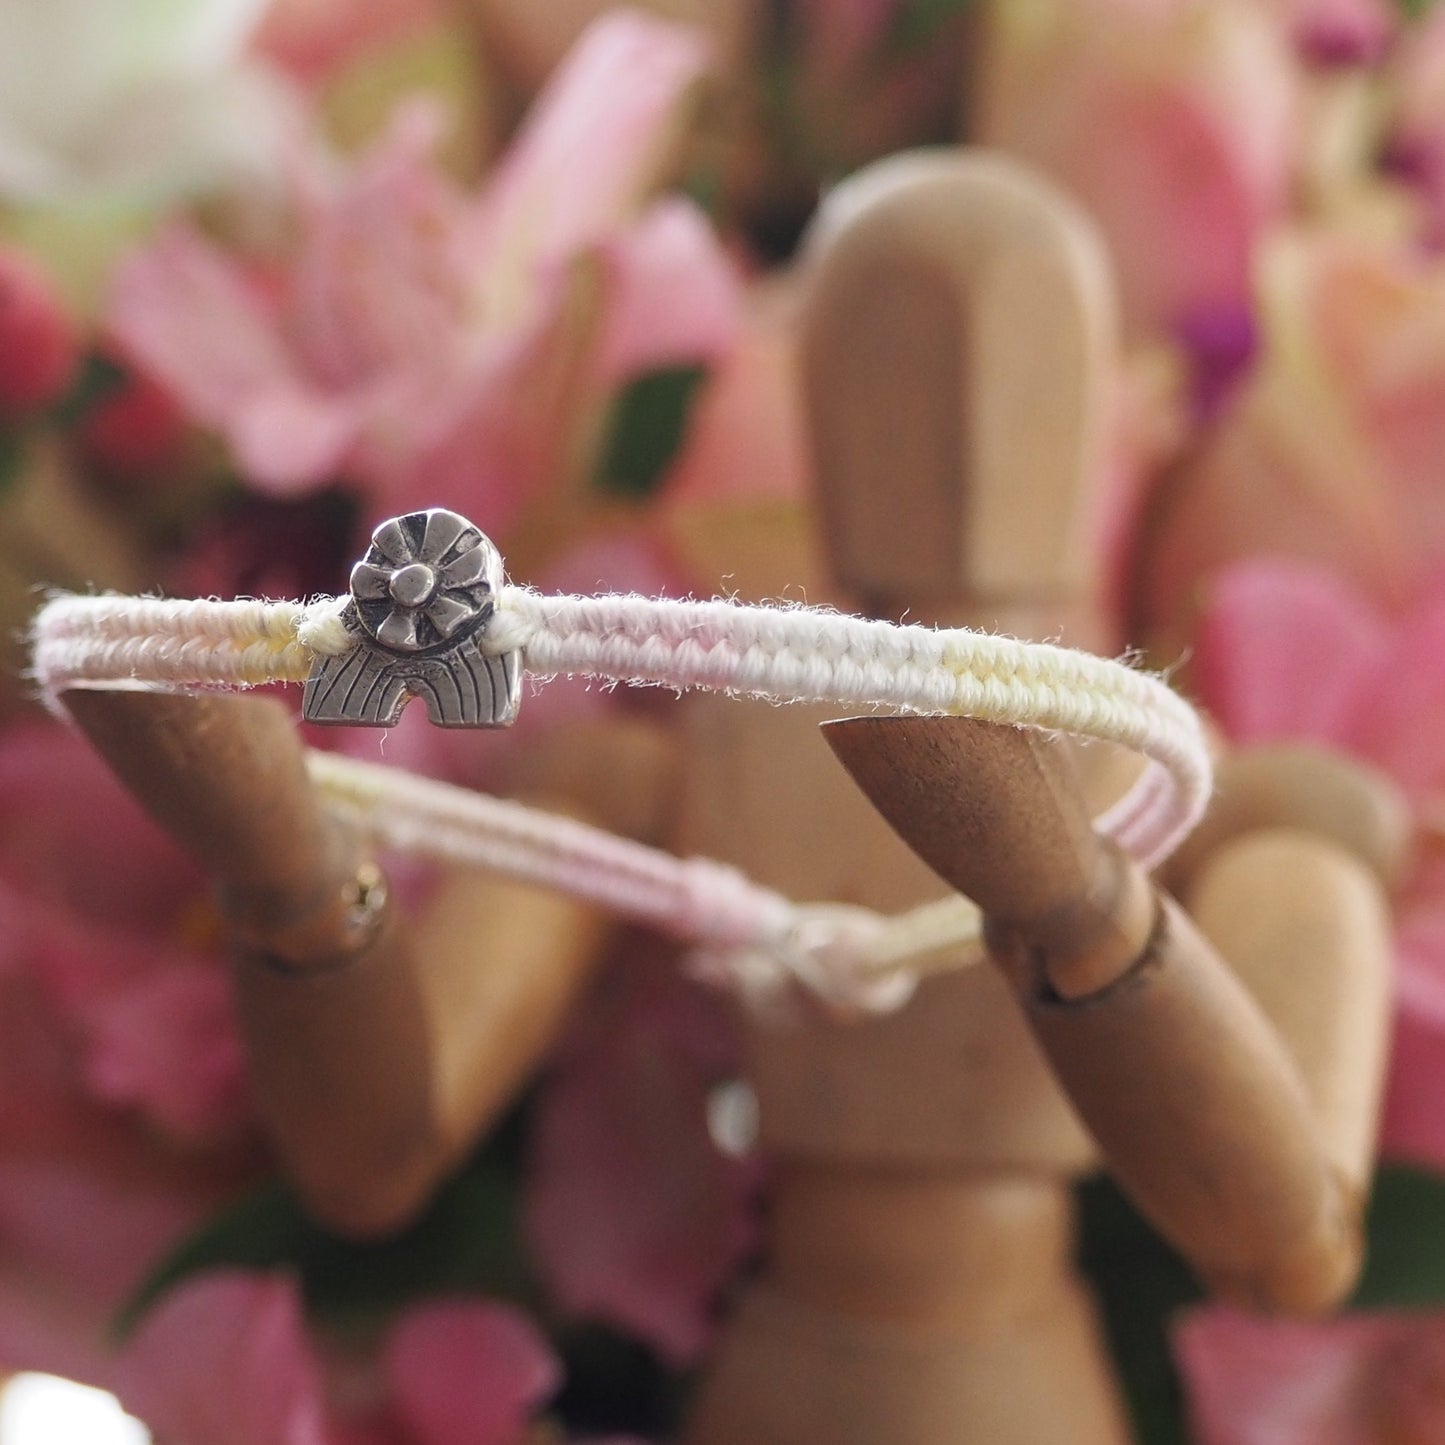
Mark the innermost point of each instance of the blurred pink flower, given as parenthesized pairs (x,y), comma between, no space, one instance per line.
(224,1359)
(90,1199)
(843,30)
(88,1225)
(310,38)
(1290,652)
(1415,149)
(1332,33)
(634,1215)
(1174,121)
(463,1372)
(529,41)
(89,1204)
(861,89)
(1330,452)
(433,346)
(1413,1123)
(169,1046)
(1376,1379)
(116,1045)
(837,92)
(133,435)
(97,904)
(90,1196)
(227,1358)
(71,837)
(737,507)
(39,349)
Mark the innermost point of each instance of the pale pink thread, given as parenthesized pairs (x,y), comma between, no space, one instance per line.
(784,654)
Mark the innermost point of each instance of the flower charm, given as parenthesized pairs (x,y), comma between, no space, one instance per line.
(425,577)
(420,600)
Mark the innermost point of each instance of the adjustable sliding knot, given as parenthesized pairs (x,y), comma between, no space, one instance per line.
(819,952)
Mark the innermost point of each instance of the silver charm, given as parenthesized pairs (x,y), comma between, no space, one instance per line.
(420,600)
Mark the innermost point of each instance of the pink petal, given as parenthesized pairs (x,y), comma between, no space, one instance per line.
(1357,1380)
(591,147)
(675,297)
(313,38)
(746,442)
(87,1230)
(291,439)
(46,1329)
(842,30)
(224,1360)
(72,837)
(187,314)
(148,1025)
(1285,651)
(1174,124)
(468,1373)
(1413,1123)
(1418,75)
(39,350)
(1252,1381)
(1399,726)
(375,290)
(620,562)
(170,1047)
(1343,32)
(634,1215)
(1412,1126)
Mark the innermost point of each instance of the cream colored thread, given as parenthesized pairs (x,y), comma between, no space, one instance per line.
(85,641)
(782,654)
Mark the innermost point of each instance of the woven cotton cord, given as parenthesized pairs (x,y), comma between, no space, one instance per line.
(783,654)
(758,939)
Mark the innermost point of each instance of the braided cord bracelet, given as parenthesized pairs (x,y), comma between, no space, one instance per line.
(429,615)
(748,937)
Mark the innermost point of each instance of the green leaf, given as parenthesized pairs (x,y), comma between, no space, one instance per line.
(916,22)
(263,1230)
(1140,1284)
(645,430)
(14,450)
(98,378)
(468,1241)
(1404,1264)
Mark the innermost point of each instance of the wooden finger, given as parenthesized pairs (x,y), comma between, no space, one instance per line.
(1301,785)
(334,1016)
(1306,926)
(1201,1113)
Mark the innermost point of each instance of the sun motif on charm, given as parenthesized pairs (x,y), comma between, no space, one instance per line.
(427,578)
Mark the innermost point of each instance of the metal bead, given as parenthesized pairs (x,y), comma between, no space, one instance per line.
(420,601)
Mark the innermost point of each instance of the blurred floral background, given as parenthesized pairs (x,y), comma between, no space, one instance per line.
(272,270)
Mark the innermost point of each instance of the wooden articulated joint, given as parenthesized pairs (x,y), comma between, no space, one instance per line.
(331,1005)
(1080,949)
(1198,1109)
(1201,1111)
(343,924)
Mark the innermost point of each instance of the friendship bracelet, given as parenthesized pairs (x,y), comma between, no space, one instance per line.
(751,939)
(429,615)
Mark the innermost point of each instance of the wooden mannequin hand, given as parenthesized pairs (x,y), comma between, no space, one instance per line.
(1200,1109)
